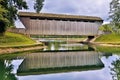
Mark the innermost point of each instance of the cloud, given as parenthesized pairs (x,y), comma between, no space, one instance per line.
(98,8)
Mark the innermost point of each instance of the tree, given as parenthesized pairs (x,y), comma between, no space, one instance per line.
(8,12)
(106,28)
(9,9)
(115,15)
(115,70)
(38,5)
(3,20)
(6,70)
(12,7)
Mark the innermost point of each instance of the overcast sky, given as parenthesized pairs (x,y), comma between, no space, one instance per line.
(98,8)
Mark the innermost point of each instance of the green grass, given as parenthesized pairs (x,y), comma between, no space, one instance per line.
(109,38)
(108,49)
(13,39)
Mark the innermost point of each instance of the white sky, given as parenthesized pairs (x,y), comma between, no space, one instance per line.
(98,8)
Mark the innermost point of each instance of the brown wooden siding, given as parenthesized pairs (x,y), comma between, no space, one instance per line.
(53,27)
(25,21)
(56,24)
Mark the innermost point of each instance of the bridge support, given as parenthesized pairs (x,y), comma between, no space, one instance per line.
(90,38)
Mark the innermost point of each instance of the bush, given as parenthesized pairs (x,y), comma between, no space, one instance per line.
(2,27)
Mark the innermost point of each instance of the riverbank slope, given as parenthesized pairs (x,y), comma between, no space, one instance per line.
(12,42)
(108,40)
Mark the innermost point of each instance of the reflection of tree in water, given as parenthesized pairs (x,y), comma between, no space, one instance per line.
(115,69)
(5,70)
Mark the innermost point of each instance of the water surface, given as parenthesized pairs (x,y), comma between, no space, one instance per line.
(62,61)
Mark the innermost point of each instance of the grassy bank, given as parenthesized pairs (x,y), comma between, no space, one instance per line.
(12,39)
(109,38)
(14,43)
(108,49)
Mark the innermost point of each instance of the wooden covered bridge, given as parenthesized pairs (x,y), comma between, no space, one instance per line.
(59,24)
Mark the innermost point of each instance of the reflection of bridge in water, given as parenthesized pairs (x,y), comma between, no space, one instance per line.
(54,62)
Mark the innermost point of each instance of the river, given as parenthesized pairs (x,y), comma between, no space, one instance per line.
(62,60)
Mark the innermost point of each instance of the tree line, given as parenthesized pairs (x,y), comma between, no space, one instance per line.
(9,9)
(114,17)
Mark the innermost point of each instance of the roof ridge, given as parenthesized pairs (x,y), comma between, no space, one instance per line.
(53,15)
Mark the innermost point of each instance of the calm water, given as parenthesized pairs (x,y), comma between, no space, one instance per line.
(66,61)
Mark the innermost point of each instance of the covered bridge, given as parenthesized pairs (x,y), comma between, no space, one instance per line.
(59,24)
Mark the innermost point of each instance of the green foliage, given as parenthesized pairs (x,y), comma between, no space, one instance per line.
(9,9)
(115,15)
(115,10)
(38,5)
(6,70)
(12,39)
(116,27)
(12,7)
(8,12)
(2,27)
(3,20)
(115,71)
(109,38)
(106,27)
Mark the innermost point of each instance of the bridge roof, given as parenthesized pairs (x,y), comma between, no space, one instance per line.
(59,16)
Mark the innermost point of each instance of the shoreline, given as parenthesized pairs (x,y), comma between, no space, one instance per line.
(105,44)
(7,50)
(14,50)
(24,48)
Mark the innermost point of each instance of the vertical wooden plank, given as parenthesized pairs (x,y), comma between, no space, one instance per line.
(55,27)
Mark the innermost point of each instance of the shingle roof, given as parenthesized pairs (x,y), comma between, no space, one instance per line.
(59,16)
